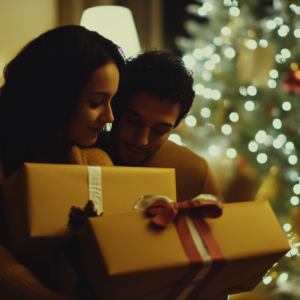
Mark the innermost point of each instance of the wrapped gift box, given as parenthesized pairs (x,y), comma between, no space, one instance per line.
(38,198)
(126,258)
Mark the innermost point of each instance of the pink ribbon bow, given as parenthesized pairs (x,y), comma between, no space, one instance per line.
(163,213)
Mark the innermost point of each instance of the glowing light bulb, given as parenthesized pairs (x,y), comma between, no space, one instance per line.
(217,41)
(209,65)
(249,105)
(231,153)
(251,90)
(234,117)
(208,6)
(214,150)
(260,136)
(208,51)
(296,189)
(252,44)
(226,31)
(286,106)
(216,95)
(271,24)
(277,124)
(294,200)
(277,143)
(197,53)
(253,146)
(189,61)
(297,33)
(267,280)
(205,112)
(175,138)
(286,53)
(272,84)
(229,52)
(215,58)
(207,93)
(287,227)
(226,129)
(262,158)
(202,11)
(293,159)
(289,145)
(243,91)
(234,11)
(273,73)
(190,121)
(263,43)
(199,89)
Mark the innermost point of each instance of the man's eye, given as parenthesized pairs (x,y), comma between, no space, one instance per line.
(161,132)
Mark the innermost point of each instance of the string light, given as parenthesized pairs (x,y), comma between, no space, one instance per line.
(272,84)
(175,138)
(267,280)
(296,189)
(253,146)
(229,52)
(226,129)
(271,24)
(189,61)
(226,31)
(234,11)
(209,65)
(234,117)
(252,44)
(294,200)
(277,124)
(214,150)
(293,159)
(205,112)
(190,121)
(263,43)
(262,158)
(197,53)
(249,105)
(251,90)
(286,53)
(216,95)
(277,143)
(207,93)
(260,136)
(231,153)
(286,106)
(274,74)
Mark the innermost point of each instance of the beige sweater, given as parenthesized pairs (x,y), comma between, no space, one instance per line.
(16,281)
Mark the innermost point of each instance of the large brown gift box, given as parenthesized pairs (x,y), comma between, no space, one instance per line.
(126,258)
(38,198)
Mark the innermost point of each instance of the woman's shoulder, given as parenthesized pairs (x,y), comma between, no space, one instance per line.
(89,156)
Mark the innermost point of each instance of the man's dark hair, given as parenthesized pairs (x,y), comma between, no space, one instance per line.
(159,74)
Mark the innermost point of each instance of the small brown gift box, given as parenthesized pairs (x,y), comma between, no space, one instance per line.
(126,258)
(38,198)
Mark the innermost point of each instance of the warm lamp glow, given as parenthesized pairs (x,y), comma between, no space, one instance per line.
(115,23)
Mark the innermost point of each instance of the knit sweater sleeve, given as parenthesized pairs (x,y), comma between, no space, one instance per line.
(16,281)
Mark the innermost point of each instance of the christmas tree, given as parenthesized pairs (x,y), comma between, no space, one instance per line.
(245,59)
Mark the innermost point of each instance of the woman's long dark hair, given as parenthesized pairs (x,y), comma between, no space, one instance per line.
(41,89)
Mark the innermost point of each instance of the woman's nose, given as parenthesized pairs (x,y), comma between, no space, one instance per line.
(107,115)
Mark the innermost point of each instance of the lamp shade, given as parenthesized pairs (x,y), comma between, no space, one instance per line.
(115,23)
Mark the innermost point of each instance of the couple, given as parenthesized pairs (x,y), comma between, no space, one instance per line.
(59,93)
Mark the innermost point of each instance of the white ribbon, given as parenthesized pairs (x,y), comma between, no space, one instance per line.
(95,188)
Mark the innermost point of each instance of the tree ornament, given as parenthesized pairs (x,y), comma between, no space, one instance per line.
(291,81)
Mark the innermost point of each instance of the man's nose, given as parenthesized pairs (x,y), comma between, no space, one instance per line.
(141,137)
(107,115)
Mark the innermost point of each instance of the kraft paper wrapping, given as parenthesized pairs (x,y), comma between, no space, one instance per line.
(125,258)
(38,198)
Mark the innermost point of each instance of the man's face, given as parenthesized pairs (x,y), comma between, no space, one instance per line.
(144,126)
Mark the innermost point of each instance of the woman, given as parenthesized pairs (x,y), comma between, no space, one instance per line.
(54,103)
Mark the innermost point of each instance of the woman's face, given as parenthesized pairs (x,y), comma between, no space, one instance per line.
(93,110)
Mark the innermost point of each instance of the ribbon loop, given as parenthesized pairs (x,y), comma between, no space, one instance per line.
(163,212)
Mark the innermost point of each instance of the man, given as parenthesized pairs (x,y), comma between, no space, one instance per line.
(158,95)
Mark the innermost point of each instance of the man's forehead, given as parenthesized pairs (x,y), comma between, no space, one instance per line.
(153,109)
